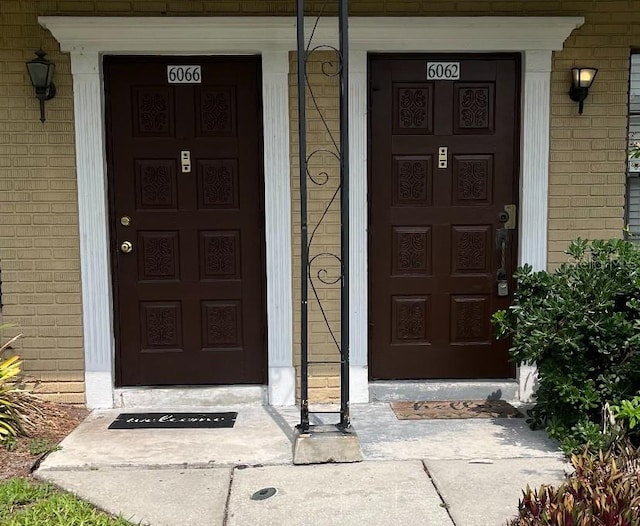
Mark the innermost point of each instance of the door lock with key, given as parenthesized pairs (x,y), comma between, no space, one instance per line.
(185,161)
(443,157)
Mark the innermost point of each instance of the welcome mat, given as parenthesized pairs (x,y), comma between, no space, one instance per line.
(173,420)
(454,409)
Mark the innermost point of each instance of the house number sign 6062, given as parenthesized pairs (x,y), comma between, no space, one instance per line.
(443,70)
(184,75)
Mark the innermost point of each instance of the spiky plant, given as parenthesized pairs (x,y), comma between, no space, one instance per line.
(9,370)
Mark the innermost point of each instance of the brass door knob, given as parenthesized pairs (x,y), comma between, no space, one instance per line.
(126,247)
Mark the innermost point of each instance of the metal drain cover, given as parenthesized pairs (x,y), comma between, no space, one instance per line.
(264,493)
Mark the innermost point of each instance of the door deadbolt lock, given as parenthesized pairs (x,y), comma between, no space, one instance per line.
(443,154)
(125,221)
(126,247)
(185,161)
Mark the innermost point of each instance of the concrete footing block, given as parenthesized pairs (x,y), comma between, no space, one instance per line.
(324,444)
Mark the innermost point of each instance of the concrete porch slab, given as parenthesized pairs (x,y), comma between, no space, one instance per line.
(384,437)
(264,435)
(371,493)
(479,467)
(161,497)
(260,436)
(466,486)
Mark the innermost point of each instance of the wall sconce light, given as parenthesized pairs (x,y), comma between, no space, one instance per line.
(41,74)
(581,80)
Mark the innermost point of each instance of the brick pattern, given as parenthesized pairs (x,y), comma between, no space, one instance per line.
(39,257)
(588,152)
(39,242)
(324,385)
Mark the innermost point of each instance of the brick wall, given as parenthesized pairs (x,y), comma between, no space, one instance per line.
(324,169)
(39,256)
(38,211)
(588,152)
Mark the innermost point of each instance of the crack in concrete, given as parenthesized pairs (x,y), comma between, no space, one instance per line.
(225,517)
(435,486)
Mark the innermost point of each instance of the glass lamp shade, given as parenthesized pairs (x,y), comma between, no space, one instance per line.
(583,77)
(41,73)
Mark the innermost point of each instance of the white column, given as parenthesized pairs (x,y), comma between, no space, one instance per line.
(275,103)
(534,181)
(358,315)
(94,232)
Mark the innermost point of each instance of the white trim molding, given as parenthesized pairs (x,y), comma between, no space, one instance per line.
(358,272)
(534,179)
(119,36)
(87,38)
(275,103)
(138,35)
(97,309)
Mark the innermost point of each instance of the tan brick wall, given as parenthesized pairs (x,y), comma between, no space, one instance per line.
(323,168)
(38,218)
(588,152)
(38,211)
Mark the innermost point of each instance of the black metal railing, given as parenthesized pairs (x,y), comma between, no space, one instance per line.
(340,151)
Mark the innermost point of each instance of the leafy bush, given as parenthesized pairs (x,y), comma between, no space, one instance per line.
(627,414)
(9,370)
(604,490)
(581,326)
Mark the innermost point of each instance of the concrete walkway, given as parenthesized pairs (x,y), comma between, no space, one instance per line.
(426,472)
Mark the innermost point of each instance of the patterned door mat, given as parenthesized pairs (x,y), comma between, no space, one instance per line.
(454,409)
(173,420)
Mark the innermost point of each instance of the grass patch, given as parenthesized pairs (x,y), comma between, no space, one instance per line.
(25,503)
(40,446)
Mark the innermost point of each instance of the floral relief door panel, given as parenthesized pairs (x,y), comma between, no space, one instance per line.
(433,257)
(189,303)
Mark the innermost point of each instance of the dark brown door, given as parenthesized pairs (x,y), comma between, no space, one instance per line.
(432,246)
(189,298)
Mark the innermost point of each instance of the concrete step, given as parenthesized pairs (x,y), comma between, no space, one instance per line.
(192,396)
(390,391)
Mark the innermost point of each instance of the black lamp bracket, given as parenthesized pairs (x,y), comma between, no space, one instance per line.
(578,95)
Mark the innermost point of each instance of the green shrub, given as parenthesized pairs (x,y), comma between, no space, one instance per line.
(581,326)
(603,490)
(627,415)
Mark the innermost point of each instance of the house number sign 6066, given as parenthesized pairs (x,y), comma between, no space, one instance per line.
(443,70)
(184,75)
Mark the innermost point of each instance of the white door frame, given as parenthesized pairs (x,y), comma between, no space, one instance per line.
(87,39)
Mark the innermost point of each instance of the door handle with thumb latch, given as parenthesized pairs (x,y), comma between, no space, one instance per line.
(502,238)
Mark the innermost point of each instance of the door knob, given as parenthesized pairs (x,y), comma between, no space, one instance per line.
(126,247)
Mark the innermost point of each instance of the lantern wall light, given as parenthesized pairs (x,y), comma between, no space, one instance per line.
(581,80)
(41,73)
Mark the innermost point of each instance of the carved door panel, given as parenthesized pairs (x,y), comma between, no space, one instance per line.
(433,257)
(189,294)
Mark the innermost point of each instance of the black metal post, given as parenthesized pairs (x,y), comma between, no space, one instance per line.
(304,256)
(344,211)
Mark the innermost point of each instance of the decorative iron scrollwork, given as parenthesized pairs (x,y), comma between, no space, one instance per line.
(318,270)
